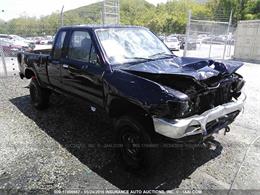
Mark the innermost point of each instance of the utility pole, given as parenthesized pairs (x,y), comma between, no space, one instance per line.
(213,26)
(111,12)
(3,60)
(229,24)
(118,12)
(103,12)
(2,53)
(186,42)
(61,15)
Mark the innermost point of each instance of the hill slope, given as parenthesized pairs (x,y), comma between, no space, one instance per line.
(130,13)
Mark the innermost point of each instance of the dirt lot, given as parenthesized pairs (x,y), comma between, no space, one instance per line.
(64,148)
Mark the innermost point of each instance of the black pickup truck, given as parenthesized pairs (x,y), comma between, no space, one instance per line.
(133,76)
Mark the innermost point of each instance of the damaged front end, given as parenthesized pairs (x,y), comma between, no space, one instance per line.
(209,108)
(204,124)
(206,97)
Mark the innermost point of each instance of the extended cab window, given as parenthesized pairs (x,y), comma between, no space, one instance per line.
(80,46)
(59,45)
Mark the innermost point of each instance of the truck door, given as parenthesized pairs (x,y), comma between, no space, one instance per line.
(54,66)
(81,72)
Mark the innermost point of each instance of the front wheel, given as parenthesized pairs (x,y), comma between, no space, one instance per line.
(39,95)
(136,151)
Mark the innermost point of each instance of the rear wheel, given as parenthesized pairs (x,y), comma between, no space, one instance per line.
(136,150)
(39,95)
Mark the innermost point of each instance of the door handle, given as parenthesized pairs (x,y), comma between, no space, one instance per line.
(65,66)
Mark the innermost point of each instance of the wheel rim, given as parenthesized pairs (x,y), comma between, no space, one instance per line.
(131,144)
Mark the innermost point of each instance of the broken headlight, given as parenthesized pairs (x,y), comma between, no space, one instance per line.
(180,105)
(180,109)
(237,87)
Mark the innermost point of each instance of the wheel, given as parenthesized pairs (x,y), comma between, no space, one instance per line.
(136,150)
(39,95)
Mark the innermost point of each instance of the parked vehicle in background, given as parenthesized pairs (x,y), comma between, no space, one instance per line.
(37,40)
(9,48)
(150,93)
(44,42)
(5,37)
(17,40)
(219,40)
(31,40)
(215,40)
(192,44)
(172,43)
(200,38)
(162,37)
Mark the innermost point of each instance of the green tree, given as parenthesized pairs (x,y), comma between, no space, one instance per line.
(167,18)
(252,10)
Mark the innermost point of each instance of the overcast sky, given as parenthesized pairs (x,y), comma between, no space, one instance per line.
(15,8)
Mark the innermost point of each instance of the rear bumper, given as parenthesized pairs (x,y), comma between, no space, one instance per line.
(207,123)
(174,48)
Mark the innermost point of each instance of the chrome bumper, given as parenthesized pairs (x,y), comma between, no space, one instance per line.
(179,128)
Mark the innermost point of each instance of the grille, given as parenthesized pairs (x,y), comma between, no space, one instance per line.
(213,98)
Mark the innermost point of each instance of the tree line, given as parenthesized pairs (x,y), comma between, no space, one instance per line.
(166,18)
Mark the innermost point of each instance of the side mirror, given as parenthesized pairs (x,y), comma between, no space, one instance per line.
(96,60)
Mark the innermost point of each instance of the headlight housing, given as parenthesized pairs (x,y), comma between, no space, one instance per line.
(180,105)
(180,109)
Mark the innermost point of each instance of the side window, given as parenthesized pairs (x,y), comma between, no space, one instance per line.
(80,46)
(58,45)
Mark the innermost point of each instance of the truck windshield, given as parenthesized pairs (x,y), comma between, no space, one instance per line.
(123,45)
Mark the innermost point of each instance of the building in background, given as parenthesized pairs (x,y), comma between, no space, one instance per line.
(247,44)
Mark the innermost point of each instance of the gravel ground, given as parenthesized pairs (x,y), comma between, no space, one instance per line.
(64,147)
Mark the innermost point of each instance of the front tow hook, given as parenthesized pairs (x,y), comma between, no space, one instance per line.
(227,129)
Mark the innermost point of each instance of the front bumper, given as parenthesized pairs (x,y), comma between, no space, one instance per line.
(221,116)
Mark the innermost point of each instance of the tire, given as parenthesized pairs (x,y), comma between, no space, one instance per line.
(39,96)
(133,140)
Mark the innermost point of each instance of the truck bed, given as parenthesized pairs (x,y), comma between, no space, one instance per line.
(35,61)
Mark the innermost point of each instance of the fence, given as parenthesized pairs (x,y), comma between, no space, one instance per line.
(209,38)
(31,33)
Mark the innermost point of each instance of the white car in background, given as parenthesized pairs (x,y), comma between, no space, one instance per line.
(17,40)
(172,43)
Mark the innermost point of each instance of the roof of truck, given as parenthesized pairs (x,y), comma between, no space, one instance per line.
(99,26)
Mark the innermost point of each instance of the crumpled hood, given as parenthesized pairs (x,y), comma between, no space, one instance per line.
(198,68)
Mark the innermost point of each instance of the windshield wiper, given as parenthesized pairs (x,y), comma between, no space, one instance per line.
(137,58)
(161,54)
